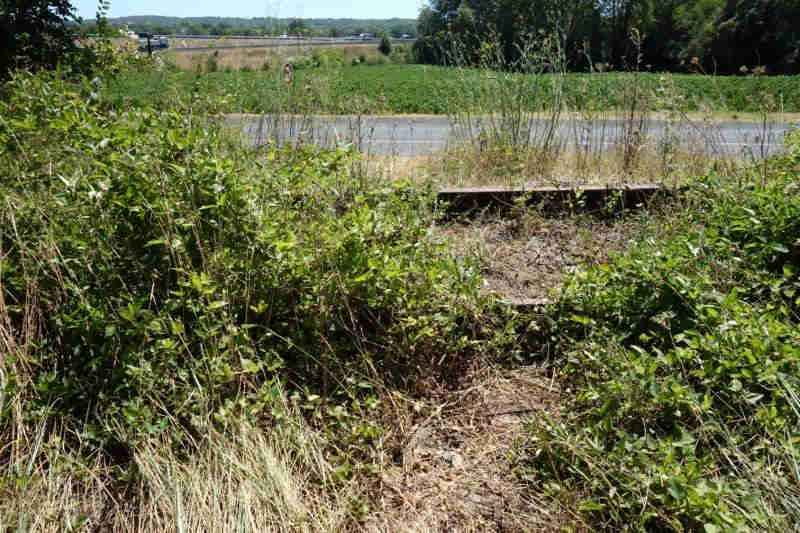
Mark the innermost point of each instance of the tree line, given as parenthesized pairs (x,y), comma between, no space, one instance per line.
(714,36)
(40,34)
(259,26)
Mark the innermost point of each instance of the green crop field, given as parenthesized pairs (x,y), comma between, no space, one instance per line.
(394,88)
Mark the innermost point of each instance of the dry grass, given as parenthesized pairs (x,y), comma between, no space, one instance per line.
(242,479)
(471,168)
(248,480)
(592,151)
(454,467)
(584,152)
(178,42)
(450,468)
(256,58)
(467,168)
(524,258)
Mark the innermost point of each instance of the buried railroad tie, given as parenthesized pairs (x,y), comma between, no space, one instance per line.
(612,198)
(527,305)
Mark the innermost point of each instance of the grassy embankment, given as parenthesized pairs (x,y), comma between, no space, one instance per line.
(682,356)
(181,317)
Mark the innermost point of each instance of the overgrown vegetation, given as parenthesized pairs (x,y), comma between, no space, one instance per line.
(158,282)
(181,315)
(682,358)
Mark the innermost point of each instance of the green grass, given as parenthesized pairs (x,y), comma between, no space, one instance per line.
(422,89)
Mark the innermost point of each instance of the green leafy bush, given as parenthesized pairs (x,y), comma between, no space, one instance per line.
(152,271)
(212,62)
(683,357)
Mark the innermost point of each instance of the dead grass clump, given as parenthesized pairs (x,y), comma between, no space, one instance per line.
(467,167)
(257,58)
(454,470)
(243,479)
(525,258)
(247,480)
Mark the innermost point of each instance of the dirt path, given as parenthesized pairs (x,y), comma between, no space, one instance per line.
(525,258)
(457,469)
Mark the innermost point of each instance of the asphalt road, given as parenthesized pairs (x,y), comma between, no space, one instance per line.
(276,43)
(408,136)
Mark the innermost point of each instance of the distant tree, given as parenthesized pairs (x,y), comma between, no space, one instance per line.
(297,26)
(719,35)
(218,29)
(385,46)
(725,35)
(36,34)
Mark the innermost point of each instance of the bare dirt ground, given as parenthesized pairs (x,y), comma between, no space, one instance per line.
(525,258)
(459,467)
(456,470)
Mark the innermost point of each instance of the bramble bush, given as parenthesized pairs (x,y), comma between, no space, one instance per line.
(154,272)
(682,356)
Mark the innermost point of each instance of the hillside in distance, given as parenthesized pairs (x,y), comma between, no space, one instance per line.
(265,25)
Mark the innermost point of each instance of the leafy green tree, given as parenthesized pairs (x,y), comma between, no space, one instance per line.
(722,35)
(36,34)
(725,35)
(297,26)
(466,25)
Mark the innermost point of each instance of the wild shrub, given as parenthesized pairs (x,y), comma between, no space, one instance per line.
(152,273)
(329,58)
(385,46)
(683,357)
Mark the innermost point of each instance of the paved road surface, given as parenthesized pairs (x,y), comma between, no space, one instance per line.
(223,44)
(394,135)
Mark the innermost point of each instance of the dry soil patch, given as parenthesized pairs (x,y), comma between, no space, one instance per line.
(525,258)
(455,469)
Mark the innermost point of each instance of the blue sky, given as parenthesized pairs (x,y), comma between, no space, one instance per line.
(362,9)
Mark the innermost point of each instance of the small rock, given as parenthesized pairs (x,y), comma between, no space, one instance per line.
(453,459)
(475,498)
